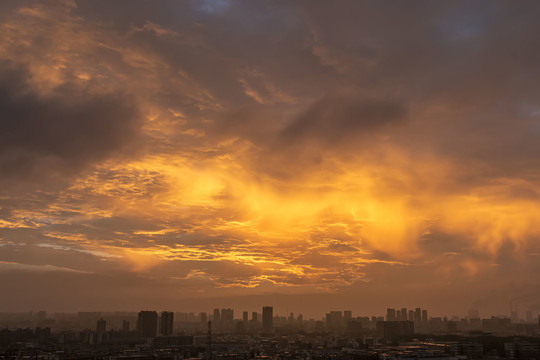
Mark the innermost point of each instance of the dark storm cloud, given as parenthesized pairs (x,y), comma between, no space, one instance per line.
(43,135)
(334,118)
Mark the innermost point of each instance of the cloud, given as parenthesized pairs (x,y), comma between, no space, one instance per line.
(62,132)
(337,118)
(243,148)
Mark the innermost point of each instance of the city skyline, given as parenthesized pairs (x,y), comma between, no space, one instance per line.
(227,314)
(301,154)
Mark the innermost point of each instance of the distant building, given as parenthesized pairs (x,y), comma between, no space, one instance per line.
(495,324)
(245,316)
(227,315)
(217,315)
(395,330)
(521,350)
(202,317)
(347,316)
(403,314)
(125,326)
(101,326)
(268,319)
(147,324)
(424,316)
(417,315)
(254,316)
(334,321)
(390,314)
(472,350)
(354,327)
(166,323)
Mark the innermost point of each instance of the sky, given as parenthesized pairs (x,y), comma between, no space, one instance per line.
(311,155)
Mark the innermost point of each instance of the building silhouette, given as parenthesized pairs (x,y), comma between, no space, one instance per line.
(217,315)
(417,315)
(101,326)
(125,326)
(166,323)
(395,330)
(347,316)
(424,316)
(268,319)
(390,314)
(334,320)
(227,315)
(147,324)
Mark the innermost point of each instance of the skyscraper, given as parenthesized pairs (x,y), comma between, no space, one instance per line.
(166,323)
(101,326)
(268,319)
(347,316)
(217,315)
(147,324)
(202,317)
(334,321)
(125,326)
(227,315)
(417,315)
(245,316)
(390,314)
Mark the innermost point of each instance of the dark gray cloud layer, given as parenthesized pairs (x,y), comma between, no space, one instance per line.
(60,132)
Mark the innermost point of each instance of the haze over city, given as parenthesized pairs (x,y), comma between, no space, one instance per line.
(308,155)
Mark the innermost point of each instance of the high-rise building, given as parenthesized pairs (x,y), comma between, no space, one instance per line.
(125,326)
(424,316)
(390,314)
(245,316)
(254,316)
(347,315)
(227,315)
(334,321)
(101,326)
(268,319)
(403,314)
(202,317)
(147,324)
(411,315)
(166,323)
(417,315)
(217,315)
